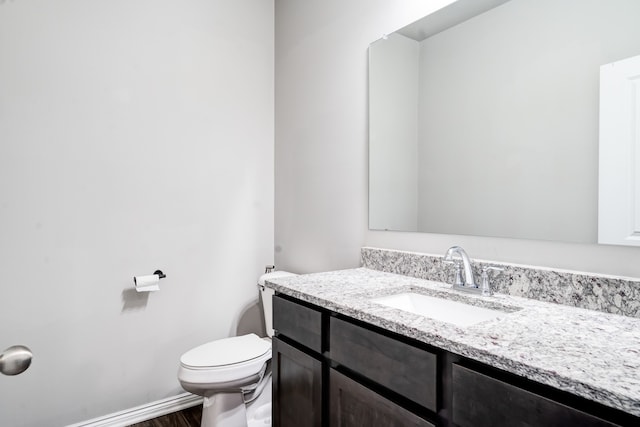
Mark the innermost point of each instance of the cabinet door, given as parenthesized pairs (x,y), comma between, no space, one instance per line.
(353,405)
(297,387)
(482,401)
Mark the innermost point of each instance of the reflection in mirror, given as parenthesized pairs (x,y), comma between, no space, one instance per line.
(489,125)
(619,168)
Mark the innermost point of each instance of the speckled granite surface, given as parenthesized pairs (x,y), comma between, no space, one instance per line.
(589,353)
(594,292)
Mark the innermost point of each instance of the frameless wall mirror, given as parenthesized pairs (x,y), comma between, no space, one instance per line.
(484,117)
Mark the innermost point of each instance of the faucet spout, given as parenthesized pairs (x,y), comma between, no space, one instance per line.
(466,264)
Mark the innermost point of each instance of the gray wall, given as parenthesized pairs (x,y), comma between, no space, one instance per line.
(321,148)
(134,135)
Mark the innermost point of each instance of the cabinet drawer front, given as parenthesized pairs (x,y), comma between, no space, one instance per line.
(300,323)
(479,401)
(352,404)
(402,368)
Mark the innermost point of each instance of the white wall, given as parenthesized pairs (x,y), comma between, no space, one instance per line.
(393,157)
(321,148)
(134,135)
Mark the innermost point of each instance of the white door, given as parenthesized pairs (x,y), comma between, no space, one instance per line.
(619,174)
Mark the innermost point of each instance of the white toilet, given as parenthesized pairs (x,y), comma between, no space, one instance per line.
(234,374)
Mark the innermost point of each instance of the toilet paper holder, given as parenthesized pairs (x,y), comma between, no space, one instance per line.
(148,283)
(158,273)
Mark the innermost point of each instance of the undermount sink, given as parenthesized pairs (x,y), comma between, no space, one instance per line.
(441,309)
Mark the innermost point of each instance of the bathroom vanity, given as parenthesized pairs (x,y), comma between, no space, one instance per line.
(342,359)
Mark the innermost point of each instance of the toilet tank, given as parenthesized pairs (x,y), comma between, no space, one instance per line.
(266,295)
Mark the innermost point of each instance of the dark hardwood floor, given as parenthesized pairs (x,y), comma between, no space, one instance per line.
(189,417)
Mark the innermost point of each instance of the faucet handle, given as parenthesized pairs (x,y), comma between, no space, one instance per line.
(486,284)
(458,281)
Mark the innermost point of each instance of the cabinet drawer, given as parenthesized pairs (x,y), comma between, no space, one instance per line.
(402,368)
(353,405)
(479,401)
(300,323)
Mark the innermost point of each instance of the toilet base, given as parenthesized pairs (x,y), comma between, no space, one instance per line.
(224,409)
(230,410)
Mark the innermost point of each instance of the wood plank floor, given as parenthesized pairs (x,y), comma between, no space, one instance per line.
(189,417)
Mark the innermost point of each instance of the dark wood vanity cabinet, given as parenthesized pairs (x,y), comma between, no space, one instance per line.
(320,363)
(329,370)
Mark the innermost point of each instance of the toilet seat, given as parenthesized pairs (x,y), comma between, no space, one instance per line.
(225,360)
(226,351)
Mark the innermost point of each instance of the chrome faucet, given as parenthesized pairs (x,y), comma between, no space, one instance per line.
(468,281)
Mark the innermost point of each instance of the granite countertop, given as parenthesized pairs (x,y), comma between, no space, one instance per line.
(589,353)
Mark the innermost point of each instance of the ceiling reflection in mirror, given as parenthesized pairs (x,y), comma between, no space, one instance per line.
(484,117)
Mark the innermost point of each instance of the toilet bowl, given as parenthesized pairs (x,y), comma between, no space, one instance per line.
(234,374)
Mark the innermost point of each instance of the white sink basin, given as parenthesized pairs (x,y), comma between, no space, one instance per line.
(445,310)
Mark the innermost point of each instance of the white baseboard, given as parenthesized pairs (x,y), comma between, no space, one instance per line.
(144,412)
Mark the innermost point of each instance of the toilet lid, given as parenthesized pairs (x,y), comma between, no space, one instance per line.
(226,351)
